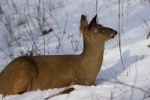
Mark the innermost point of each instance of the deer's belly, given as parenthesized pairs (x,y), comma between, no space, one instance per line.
(52,81)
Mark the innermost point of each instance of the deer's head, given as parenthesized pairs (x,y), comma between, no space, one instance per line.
(96,31)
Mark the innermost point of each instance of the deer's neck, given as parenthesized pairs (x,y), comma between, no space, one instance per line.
(92,58)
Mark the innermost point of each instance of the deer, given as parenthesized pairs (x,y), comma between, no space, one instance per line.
(29,73)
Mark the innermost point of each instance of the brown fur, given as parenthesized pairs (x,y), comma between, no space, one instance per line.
(29,73)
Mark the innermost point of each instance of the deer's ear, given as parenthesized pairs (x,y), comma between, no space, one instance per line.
(83,23)
(93,24)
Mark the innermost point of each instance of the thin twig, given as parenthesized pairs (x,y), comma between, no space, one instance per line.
(128,85)
(119,32)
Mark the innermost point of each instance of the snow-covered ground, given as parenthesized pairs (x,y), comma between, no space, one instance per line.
(21,30)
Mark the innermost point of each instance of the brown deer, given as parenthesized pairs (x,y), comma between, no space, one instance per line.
(27,73)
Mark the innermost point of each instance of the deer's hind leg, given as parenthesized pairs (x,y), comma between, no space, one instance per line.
(17,77)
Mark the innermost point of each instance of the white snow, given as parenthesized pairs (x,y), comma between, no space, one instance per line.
(113,81)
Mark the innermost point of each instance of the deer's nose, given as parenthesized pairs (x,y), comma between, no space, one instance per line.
(113,34)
